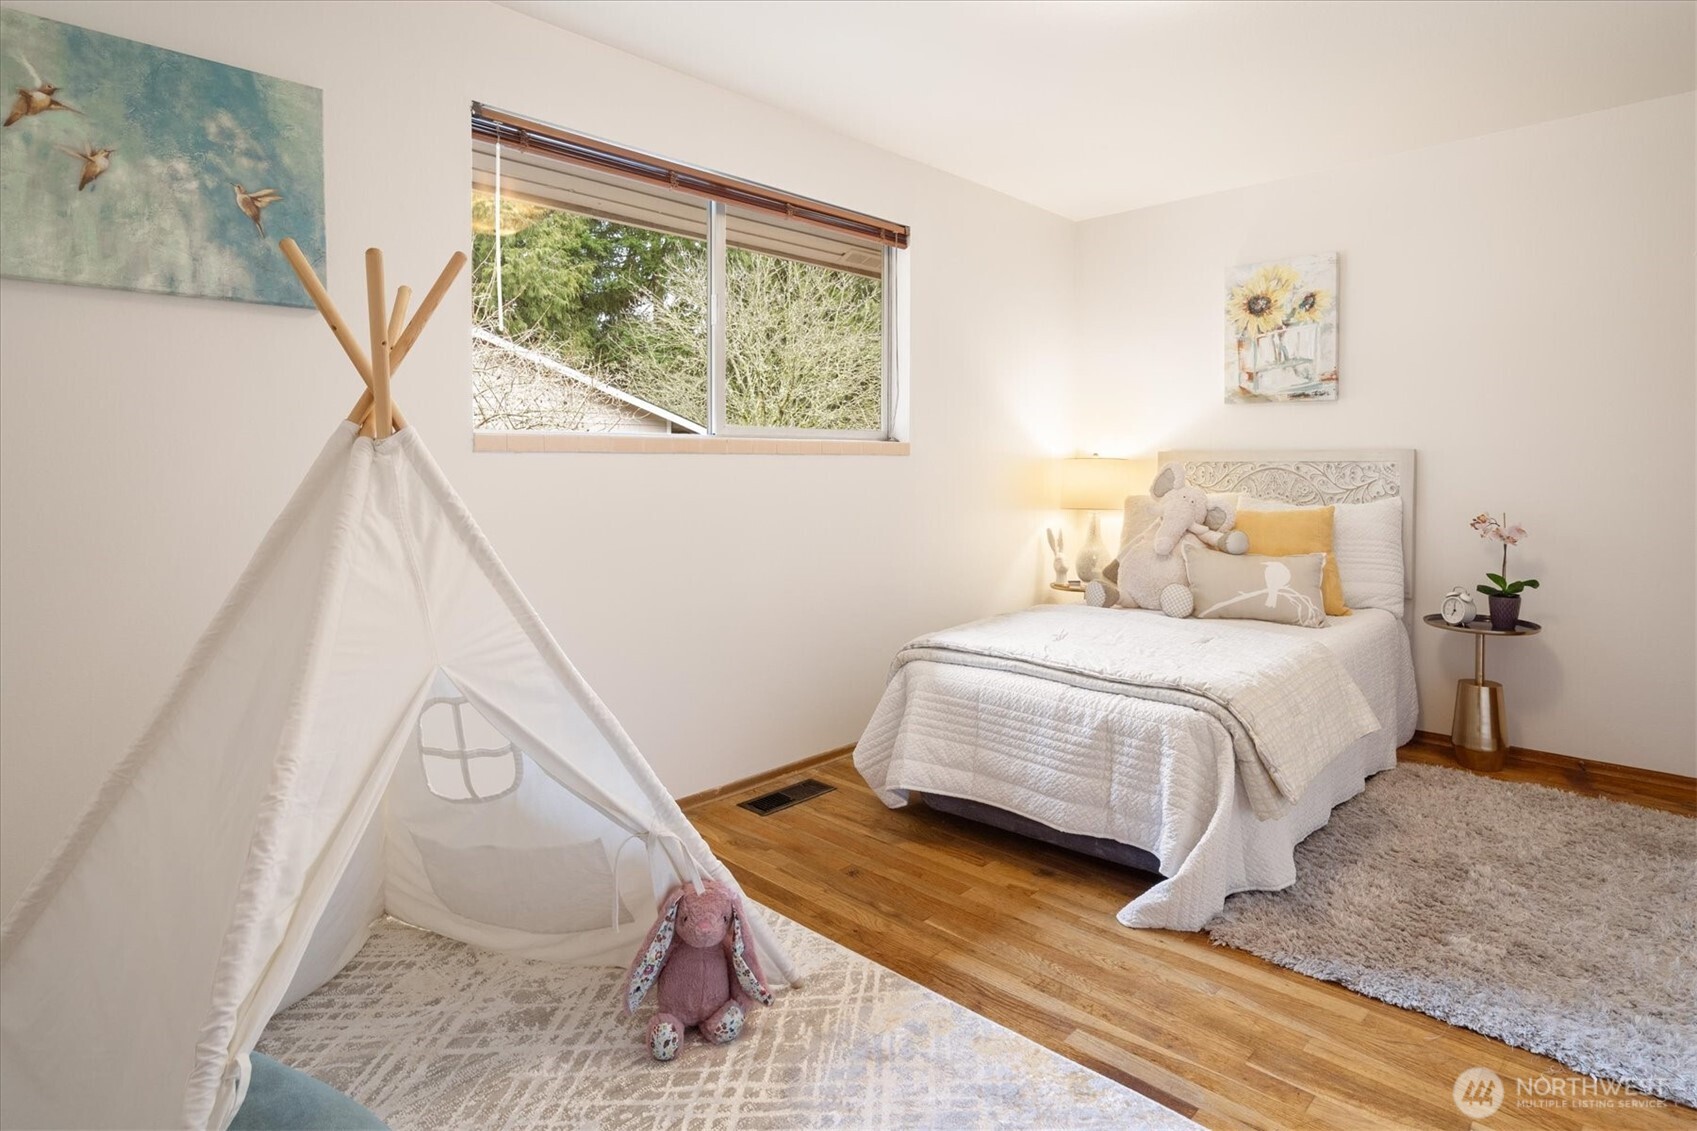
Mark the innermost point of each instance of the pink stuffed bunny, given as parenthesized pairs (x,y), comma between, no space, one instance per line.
(711,981)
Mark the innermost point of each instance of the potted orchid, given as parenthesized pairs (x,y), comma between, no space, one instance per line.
(1504,594)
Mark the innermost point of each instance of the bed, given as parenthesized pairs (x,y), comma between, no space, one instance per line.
(1203,751)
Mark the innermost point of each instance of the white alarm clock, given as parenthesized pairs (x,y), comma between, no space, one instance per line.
(1458,606)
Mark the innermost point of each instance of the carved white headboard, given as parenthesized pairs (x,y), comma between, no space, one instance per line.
(1316,479)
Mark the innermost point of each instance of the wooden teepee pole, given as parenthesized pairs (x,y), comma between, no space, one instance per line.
(398,322)
(338,326)
(400,346)
(397,319)
(433,299)
(382,406)
(321,299)
(389,342)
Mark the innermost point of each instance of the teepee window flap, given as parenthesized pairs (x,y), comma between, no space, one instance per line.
(460,764)
(549,761)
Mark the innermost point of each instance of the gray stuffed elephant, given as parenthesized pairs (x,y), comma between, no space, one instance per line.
(1150,571)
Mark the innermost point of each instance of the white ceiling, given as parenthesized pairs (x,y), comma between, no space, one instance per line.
(1087,109)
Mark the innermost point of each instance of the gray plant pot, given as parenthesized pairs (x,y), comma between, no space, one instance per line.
(1505,613)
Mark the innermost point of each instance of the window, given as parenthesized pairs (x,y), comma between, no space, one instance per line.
(614,292)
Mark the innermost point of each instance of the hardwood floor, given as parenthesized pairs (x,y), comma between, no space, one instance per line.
(1025,934)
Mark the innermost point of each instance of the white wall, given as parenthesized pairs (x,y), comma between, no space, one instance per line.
(1521,309)
(735,612)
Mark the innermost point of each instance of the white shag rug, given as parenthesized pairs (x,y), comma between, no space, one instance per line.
(1553,922)
(431,1033)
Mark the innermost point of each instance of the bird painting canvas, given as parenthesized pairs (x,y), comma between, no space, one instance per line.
(129,166)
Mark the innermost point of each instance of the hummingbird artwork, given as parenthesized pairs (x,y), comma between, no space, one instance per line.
(94,162)
(36,100)
(253,204)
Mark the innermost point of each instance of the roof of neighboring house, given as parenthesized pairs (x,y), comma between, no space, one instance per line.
(601,387)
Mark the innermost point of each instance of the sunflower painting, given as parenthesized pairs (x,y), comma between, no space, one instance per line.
(1282,330)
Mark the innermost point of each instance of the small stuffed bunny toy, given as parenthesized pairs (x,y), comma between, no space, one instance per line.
(1150,572)
(710,978)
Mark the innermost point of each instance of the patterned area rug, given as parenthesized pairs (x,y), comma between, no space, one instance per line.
(431,1033)
(1553,922)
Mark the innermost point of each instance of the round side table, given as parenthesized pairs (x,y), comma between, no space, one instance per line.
(1479,732)
(1067,586)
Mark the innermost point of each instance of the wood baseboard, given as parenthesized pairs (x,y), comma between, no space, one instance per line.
(763,778)
(1527,756)
(1655,788)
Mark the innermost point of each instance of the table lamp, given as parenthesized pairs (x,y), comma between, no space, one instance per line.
(1093,483)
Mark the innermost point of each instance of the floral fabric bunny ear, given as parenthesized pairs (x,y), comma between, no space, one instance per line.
(745,962)
(651,959)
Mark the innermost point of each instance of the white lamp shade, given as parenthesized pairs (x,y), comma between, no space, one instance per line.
(1095,483)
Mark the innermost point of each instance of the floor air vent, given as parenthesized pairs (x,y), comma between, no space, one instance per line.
(768,803)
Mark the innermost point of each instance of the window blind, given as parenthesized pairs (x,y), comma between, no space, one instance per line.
(532,179)
(635,171)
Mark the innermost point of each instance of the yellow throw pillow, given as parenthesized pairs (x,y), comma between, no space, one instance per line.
(1302,530)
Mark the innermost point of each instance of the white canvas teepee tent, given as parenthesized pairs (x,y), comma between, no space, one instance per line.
(317,764)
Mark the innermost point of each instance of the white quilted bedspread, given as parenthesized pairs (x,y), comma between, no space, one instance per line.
(1286,702)
(1171,735)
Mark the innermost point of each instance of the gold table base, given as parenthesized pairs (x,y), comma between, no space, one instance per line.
(1477,732)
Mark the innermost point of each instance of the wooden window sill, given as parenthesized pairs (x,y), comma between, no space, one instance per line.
(679,445)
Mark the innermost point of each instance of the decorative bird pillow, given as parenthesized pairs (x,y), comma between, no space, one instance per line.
(704,967)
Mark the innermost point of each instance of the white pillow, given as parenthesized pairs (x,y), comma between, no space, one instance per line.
(524,888)
(1367,540)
